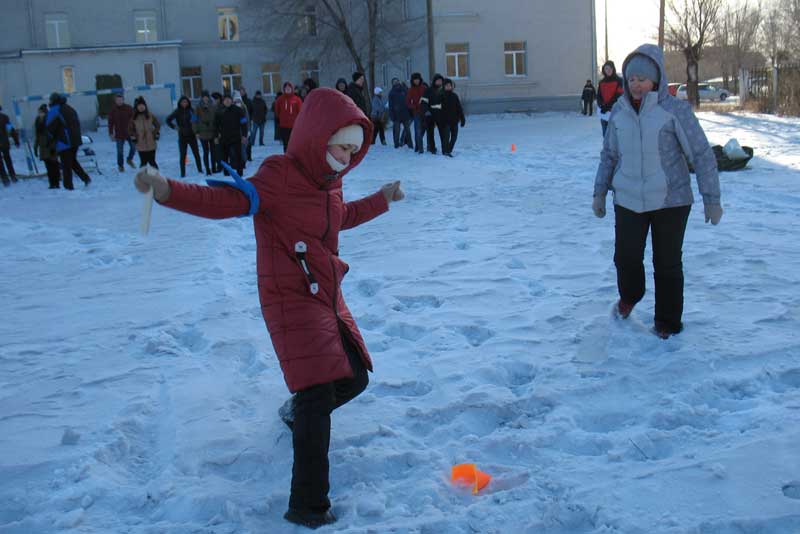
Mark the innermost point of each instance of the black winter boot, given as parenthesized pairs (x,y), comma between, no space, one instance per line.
(309,518)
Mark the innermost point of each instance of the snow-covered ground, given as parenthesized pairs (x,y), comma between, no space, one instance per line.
(139,388)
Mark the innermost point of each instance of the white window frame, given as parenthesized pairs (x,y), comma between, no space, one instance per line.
(191,78)
(144,72)
(513,54)
(150,33)
(231,77)
(60,24)
(64,70)
(270,75)
(228,15)
(456,55)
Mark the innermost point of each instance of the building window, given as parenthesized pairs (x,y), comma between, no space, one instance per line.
(457,56)
(68,78)
(228,23)
(270,78)
(515,59)
(149,73)
(310,69)
(57,31)
(145,24)
(231,78)
(192,81)
(409,67)
(308,22)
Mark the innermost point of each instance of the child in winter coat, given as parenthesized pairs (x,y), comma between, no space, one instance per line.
(144,129)
(452,116)
(287,109)
(298,210)
(185,117)
(414,102)
(45,148)
(609,90)
(651,135)
(588,98)
(378,116)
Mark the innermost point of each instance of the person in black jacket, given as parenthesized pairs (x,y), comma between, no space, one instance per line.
(356,91)
(452,116)
(588,96)
(432,111)
(6,129)
(65,129)
(258,119)
(231,129)
(399,113)
(185,117)
(341,85)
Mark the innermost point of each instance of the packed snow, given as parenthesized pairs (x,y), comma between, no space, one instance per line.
(139,389)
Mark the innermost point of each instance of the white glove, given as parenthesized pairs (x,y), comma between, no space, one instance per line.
(148,177)
(713,213)
(599,206)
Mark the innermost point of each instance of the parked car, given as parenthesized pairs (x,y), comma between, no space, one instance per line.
(707,92)
(673,88)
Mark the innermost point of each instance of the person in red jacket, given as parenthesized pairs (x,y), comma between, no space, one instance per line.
(287,109)
(609,90)
(413,101)
(298,210)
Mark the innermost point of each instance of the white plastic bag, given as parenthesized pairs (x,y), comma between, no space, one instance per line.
(734,150)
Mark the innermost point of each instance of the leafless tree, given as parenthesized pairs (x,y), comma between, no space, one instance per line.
(776,32)
(738,28)
(690,27)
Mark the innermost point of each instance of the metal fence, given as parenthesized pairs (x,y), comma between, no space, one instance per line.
(773,89)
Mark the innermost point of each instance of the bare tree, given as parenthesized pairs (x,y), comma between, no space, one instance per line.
(776,34)
(738,28)
(689,28)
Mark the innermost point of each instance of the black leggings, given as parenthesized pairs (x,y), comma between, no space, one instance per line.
(667,227)
(191,142)
(148,156)
(311,433)
(209,153)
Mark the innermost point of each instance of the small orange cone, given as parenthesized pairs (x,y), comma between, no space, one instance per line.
(470,475)
(513,147)
(186,161)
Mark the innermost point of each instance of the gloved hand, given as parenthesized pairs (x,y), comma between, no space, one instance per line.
(392,192)
(599,206)
(145,180)
(713,213)
(463,123)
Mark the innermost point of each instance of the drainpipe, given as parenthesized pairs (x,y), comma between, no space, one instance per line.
(164,20)
(431,51)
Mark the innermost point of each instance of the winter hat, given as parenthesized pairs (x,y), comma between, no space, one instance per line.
(395,81)
(448,81)
(642,66)
(204,93)
(378,90)
(349,135)
(357,76)
(55,98)
(43,107)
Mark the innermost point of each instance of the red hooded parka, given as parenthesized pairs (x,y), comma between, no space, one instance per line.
(301,209)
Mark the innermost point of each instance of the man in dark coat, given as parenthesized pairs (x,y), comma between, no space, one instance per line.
(231,129)
(356,91)
(609,90)
(258,118)
(431,105)
(587,97)
(185,117)
(452,115)
(398,112)
(65,127)
(6,130)
(118,119)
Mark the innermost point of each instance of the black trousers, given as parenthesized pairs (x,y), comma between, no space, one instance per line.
(668,227)
(311,434)
(430,128)
(53,173)
(191,142)
(232,155)
(209,153)
(70,163)
(588,107)
(444,136)
(452,137)
(378,128)
(8,168)
(148,156)
(286,134)
(405,138)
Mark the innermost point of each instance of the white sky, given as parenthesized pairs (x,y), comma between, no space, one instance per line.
(630,23)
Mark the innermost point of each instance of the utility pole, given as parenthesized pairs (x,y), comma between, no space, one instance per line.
(431,51)
(661,25)
(605,32)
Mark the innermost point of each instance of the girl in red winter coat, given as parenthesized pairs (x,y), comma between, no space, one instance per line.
(287,109)
(297,208)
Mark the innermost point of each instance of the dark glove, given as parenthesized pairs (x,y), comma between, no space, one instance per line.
(16,144)
(463,123)
(157,136)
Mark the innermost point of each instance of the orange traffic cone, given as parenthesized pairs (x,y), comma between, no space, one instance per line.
(470,475)
(513,147)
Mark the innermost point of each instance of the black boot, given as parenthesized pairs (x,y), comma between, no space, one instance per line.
(6,181)
(309,518)
(14,178)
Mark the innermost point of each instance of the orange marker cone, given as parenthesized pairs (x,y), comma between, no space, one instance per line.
(470,475)
(513,147)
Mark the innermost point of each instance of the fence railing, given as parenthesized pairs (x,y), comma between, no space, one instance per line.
(772,89)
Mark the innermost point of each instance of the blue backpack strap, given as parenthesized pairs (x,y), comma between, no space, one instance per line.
(242,185)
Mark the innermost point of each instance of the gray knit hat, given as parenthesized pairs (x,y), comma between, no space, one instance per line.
(643,67)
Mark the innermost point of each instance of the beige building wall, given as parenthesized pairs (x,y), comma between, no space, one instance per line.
(560,50)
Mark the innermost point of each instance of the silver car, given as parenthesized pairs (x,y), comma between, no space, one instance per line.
(707,92)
